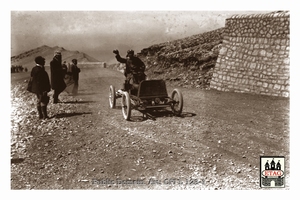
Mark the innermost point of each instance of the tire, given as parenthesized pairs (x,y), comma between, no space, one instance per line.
(126,106)
(178,104)
(112,97)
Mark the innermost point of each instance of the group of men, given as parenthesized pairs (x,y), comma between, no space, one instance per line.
(134,72)
(40,84)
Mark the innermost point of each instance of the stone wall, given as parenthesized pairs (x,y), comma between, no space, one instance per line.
(254,57)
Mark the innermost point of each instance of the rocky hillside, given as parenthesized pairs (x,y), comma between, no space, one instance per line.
(186,62)
(26,59)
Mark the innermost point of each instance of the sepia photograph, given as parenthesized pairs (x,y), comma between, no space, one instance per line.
(150,99)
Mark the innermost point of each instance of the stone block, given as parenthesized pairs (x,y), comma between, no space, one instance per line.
(269,55)
(259,83)
(262,52)
(277,87)
(265,85)
(286,61)
(252,66)
(287,88)
(255,52)
(280,82)
(285,94)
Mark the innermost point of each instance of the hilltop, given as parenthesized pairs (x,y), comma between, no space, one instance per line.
(186,62)
(26,59)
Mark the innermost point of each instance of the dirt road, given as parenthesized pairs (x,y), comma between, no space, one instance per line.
(216,144)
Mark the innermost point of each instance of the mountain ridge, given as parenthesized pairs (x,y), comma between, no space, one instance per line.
(26,59)
(187,62)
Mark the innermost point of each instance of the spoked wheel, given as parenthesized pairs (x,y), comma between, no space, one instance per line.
(177,105)
(112,97)
(126,106)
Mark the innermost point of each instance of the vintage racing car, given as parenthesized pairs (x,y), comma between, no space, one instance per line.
(148,95)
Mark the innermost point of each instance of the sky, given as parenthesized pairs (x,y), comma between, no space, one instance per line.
(97,33)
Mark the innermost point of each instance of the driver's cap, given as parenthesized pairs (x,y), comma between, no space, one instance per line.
(130,52)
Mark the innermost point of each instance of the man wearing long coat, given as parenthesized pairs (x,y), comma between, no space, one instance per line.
(40,86)
(57,76)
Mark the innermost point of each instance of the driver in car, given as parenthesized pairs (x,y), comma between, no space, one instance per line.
(135,67)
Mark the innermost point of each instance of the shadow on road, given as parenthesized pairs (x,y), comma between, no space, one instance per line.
(77,102)
(187,114)
(81,93)
(16,160)
(61,115)
(157,114)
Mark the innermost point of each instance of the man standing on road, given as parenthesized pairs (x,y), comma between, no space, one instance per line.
(135,68)
(75,75)
(40,86)
(57,76)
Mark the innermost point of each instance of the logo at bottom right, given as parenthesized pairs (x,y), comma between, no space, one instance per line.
(272,172)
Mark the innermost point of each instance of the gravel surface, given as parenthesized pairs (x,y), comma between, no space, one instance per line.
(215,145)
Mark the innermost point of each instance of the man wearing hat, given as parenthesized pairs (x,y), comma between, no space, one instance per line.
(135,68)
(57,76)
(40,86)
